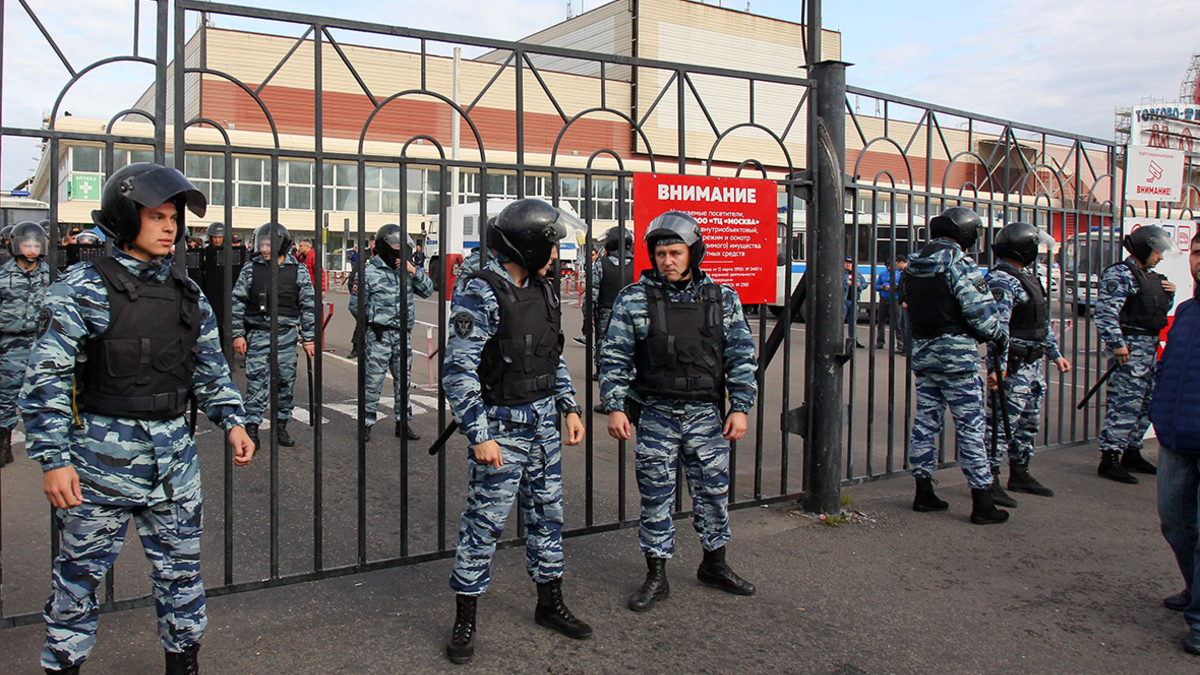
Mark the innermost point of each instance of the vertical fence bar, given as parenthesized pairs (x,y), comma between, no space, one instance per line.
(319,359)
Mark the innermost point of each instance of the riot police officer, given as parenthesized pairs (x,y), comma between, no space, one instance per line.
(611,273)
(1025,316)
(386,345)
(508,386)
(23,282)
(253,299)
(949,311)
(1131,310)
(150,343)
(215,264)
(676,343)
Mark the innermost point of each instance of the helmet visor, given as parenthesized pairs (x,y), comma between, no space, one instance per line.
(158,185)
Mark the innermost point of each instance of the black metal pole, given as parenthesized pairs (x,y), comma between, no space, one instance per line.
(826,154)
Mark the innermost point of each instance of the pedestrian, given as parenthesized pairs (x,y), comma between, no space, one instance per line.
(950,311)
(23,282)
(1024,308)
(388,334)
(308,257)
(890,310)
(418,256)
(1175,412)
(677,342)
(253,302)
(111,431)
(508,387)
(1131,311)
(853,282)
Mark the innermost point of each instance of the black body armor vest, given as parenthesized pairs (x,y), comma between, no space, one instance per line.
(258,305)
(933,310)
(1145,313)
(519,364)
(682,356)
(612,279)
(141,366)
(1028,321)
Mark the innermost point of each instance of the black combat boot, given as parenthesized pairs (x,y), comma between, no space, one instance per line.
(551,612)
(367,433)
(185,662)
(73,670)
(252,432)
(999,496)
(1112,469)
(654,588)
(1132,460)
(715,572)
(6,456)
(461,647)
(926,500)
(281,434)
(1020,480)
(983,508)
(405,430)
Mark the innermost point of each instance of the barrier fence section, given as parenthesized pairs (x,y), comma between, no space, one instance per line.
(336,505)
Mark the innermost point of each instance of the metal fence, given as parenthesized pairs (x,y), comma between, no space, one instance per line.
(343,506)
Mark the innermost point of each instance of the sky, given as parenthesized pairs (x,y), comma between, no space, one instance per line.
(1062,65)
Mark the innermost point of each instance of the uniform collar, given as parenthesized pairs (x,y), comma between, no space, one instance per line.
(157,271)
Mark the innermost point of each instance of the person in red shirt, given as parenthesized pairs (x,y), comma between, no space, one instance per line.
(308,257)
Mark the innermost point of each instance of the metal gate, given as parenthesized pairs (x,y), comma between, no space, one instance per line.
(338,505)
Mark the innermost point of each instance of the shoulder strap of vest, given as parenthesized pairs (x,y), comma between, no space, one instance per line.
(498,283)
(115,275)
(712,304)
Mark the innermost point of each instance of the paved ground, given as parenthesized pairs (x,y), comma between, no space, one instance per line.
(1071,584)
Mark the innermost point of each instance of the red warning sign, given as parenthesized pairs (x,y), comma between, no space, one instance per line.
(738,217)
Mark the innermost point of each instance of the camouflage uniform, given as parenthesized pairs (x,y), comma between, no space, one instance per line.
(529,439)
(386,344)
(671,428)
(258,337)
(1025,387)
(603,314)
(21,296)
(1131,386)
(946,369)
(147,469)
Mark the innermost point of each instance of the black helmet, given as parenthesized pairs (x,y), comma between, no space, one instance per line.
(27,231)
(388,243)
(88,238)
(6,233)
(1146,239)
(215,230)
(1019,241)
(612,240)
(676,227)
(527,231)
(958,223)
(283,240)
(144,184)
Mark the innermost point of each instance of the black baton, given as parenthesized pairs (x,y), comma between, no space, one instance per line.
(1096,387)
(443,438)
(311,413)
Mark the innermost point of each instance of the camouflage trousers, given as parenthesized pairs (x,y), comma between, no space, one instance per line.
(1025,389)
(963,394)
(14,355)
(92,535)
(692,432)
(532,471)
(258,368)
(386,351)
(1130,389)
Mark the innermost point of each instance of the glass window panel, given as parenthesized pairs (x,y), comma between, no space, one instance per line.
(603,188)
(300,173)
(389,177)
(347,175)
(217,194)
(249,169)
(466,182)
(604,210)
(372,203)
(532,185)
(85,159)
(347,200)
(414,178)
(216,167)
(196,166)
(136,156)
(327,174)
(300,198)
(327,196)
(434,180)
(495,184)
(250,195)
(391,202)
(120,159)
(431,203)
(372,176)
(413,203)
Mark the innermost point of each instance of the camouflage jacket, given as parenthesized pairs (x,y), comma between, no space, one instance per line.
(241,296)
(21,296)
(475,318)
(383,293)
(1116,284)
(630,322)
(76,311)
(1008,291)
